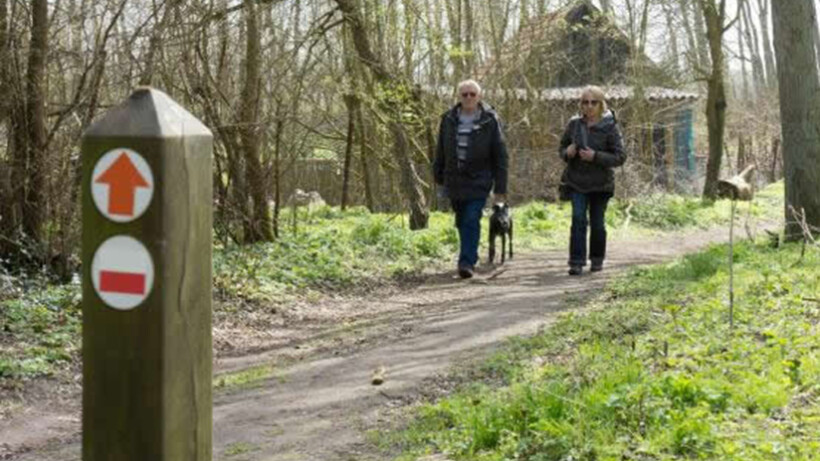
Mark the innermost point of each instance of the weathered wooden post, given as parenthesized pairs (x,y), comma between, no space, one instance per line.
(147,223)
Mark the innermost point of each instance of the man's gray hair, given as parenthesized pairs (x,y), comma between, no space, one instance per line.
(471,83)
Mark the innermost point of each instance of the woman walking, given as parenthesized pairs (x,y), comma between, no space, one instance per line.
(591,147)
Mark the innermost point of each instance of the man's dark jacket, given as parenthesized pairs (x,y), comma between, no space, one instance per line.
(605,139)
(486,165)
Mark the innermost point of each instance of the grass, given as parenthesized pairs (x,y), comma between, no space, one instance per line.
(244,378)
(333,251)
(653,372)
(240,448)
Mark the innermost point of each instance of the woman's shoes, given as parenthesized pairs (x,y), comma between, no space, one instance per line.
(576,270)
(465,271)
(596,268)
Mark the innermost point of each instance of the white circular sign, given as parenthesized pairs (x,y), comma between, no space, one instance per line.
(122,272)
(122,185)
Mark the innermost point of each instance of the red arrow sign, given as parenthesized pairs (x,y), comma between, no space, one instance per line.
(122,179)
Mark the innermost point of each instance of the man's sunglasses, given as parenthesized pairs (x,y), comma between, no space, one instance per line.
(470,94)
(590,102)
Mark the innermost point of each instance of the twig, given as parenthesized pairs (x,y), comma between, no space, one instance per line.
(805,229)
(628,215)
(731,268)
(746,226)
(497,274)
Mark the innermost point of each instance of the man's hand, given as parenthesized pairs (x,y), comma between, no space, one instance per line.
(500,198)
(587,155)
(571,151)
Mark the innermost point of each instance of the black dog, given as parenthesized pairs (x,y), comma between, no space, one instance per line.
(501,223)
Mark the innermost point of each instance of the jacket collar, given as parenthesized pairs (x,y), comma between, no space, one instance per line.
(486,112)
(607,119)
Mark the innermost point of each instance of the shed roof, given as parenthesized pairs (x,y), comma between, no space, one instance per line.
(613,93)
(573,45)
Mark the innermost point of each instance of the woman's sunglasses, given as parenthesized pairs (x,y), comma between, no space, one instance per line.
(590,102)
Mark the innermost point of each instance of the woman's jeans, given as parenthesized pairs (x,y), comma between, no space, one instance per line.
(594,203)
(468,222)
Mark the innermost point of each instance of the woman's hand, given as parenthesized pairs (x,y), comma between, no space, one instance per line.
(571,151)
(586,155)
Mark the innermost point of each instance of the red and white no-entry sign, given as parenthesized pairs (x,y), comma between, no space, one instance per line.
(122,272)
(122,185)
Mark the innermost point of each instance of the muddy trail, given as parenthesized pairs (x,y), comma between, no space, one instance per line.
(318,406)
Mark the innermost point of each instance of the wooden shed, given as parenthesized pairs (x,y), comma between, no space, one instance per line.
(535,81)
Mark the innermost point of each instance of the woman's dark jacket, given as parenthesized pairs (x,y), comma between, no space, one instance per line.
(486,165)
(604,138)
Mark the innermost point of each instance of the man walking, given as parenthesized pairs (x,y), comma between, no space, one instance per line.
(471,160)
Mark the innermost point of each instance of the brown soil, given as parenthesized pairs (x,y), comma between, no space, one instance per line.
(319,400)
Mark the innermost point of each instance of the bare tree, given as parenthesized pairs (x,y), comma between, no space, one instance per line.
(715,17)
(794,23)
(672,30)
(249,115)
(750,30)
(34,204)
(411,183)
(744,75)
(701,32)
(7,219)
(766,43)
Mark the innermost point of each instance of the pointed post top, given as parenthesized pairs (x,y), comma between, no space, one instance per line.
(147,113)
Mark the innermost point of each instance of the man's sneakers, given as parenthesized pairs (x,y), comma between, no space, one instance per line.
(465,271)
(576,270)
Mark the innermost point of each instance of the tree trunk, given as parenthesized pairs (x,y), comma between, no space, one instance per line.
(741,154)
(469,38)
(454,19)
(768,54)
(701,34)
(34,207)
(154,44)
(260,228)
(690,35)
(743,72)
(775,151)
(7,224)
(277,172)
(351,101)
(363,155)
(794,23)
(754,55)
(673,40)
(411,183)
(716,99)
(816,36)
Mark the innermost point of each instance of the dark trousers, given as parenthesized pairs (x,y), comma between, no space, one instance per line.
(593,204)
(468,223)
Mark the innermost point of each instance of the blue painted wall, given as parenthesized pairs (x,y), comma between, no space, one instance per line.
(685,142)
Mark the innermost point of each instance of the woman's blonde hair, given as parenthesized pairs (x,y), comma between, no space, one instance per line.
(598,94)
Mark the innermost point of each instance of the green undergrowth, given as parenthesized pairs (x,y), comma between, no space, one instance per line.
(39,332)
(329,251)
(652,371)
(335,249)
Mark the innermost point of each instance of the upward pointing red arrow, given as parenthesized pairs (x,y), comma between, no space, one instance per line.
(122,179)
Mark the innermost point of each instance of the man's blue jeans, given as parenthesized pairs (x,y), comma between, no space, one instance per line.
(468,222)
(595,204)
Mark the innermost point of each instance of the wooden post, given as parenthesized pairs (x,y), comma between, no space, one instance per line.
(147,221)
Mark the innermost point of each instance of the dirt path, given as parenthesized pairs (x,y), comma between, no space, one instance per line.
(316,409)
